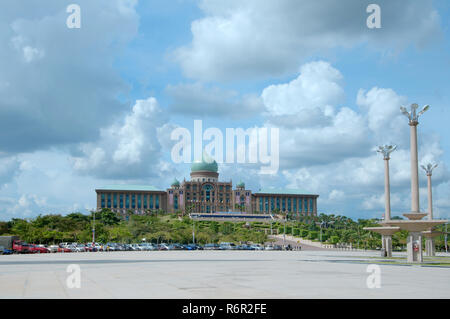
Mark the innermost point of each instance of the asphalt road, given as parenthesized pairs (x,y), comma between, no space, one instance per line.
(215,274)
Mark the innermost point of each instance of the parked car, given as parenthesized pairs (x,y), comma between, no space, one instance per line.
(177,247)
(211,247)
(21,247)
(5,251)
(227,246)
(164,246)
(147,246)
(63,249)
(39,249)
(77,248)
(53,248)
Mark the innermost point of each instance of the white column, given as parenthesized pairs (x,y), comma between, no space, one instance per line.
(430,198)
(415,208)
(387,191)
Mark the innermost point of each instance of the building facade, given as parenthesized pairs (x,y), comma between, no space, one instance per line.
(205,193)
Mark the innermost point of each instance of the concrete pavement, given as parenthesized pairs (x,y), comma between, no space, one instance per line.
(216,274)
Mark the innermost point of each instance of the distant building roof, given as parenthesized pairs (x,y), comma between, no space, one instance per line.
(281,191)
(206,164)
(130,188)
(175,183)
(241,184)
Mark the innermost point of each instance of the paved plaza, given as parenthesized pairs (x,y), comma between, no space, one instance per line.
(219,274)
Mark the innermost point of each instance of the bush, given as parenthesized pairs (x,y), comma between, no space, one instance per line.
(304,233)
(288,229)
(312,235)
(295,231)
(334,240)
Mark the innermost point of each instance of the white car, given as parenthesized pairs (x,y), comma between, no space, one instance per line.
(53,248)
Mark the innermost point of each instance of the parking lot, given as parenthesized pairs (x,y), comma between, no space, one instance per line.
(215,274)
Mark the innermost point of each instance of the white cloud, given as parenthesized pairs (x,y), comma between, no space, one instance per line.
(127,149)
(313,129)
(317,87)
(196,99)
(57,84)
(254,39)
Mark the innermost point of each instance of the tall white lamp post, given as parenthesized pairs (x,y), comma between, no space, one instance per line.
(413,117)
(430,234)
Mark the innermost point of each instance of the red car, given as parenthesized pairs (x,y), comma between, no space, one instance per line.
(64,250)
(38,249)
(21,247)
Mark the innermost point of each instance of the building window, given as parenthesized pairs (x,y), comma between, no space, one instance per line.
(109,201)
(175,202)
(284,204)
(289,204)
(115,200)
(266,206)
(272,203)
(151,201)
(139,201)
(310,205)
(145,201)
(127,201)
(103,201)
(278,202)
(157,201)
(295,205)
(121,200)
(133,201)
(260,204)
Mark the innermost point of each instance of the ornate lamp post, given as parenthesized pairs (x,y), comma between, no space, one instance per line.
(429,170)
(386,150)
(413,117)
(387,231)
(430,234)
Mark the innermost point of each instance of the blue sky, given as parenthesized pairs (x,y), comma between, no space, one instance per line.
(82,108)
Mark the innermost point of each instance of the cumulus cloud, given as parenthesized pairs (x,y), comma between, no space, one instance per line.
(127,149)
(250,39)
(313,128)
(196,99)
(57,84)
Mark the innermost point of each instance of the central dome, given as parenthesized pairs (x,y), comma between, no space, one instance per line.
(206,164)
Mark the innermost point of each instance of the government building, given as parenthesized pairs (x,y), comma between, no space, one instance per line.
(205,193)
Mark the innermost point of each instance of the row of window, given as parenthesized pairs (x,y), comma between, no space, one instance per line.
(117,200)
(194,187)
(289,204)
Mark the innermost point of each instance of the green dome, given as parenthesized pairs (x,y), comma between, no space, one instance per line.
(175,183)
(241,184)
(207,164)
